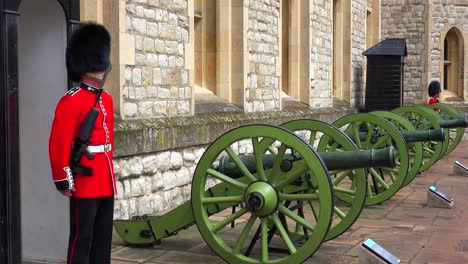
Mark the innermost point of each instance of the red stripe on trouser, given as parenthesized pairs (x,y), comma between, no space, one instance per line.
(76,235)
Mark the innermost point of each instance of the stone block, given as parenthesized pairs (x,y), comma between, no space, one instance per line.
(127,49)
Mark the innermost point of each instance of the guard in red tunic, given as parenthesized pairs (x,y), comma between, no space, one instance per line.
(81,144)
(433,90)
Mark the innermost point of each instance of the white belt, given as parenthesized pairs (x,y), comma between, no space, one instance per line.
(100,148)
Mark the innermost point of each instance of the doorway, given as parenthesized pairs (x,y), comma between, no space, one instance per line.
(42,35)
(452,80)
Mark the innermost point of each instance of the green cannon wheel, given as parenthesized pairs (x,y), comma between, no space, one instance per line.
(264,194)
(415,148)
(352,183)
(423,119)
(455,135)
(378,133)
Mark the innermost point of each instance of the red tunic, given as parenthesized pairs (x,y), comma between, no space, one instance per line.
(69,115)
(433,100)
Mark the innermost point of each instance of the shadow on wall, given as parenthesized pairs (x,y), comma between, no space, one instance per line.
(358,86)
(206,102)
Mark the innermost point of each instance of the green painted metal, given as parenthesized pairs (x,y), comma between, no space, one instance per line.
(457,122)
(455,134)
(342,158)
(423,135)
(424,119)
(336,160)
(307,181)
(412,138)
(155,228)
(385,181)
(132,231)
(351,183)
(349,160)
(261,198)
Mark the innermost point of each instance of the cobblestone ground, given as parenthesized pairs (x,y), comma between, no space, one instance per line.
(404,225)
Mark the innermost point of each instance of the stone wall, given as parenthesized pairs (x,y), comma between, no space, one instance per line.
(445,15)
(321,30)
(262,91)
(405,19)
(409,20)
(154,182)
(358,45)
(158,84)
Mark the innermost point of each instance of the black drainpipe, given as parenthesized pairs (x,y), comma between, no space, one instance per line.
(10,218)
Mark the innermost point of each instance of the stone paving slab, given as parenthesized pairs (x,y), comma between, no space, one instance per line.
(404,225)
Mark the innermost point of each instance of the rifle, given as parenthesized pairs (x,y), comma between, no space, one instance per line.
(81,143)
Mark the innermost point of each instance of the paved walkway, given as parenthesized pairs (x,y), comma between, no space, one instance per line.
(404,225)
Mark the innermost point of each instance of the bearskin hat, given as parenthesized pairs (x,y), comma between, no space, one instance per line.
(88,50)
(434,88)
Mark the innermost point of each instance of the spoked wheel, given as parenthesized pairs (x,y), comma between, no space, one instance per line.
(423,119)
(266,184)
(373,132)
(351,183)
(415,149)
(455,135)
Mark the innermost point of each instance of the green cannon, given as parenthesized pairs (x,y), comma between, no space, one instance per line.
(416,140)
(333,160)
(424,135)
(286,185)
(455,129)
(282,186)
(447,117)
(425,140)
(369,131)
(412,137)
(459,122)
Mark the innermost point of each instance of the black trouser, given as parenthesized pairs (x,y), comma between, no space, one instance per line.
(90,230)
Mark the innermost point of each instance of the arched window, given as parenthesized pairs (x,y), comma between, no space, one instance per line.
(452,77)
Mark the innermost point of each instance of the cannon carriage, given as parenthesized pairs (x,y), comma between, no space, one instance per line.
(297,185)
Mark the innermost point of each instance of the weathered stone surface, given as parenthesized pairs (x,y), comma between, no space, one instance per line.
(144,136)
(161,30)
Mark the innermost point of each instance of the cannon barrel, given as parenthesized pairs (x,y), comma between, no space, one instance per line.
(345,160)
(461,121)
(424,135)
(410,136)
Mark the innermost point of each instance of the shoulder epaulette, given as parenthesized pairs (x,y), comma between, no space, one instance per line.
(73,91)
